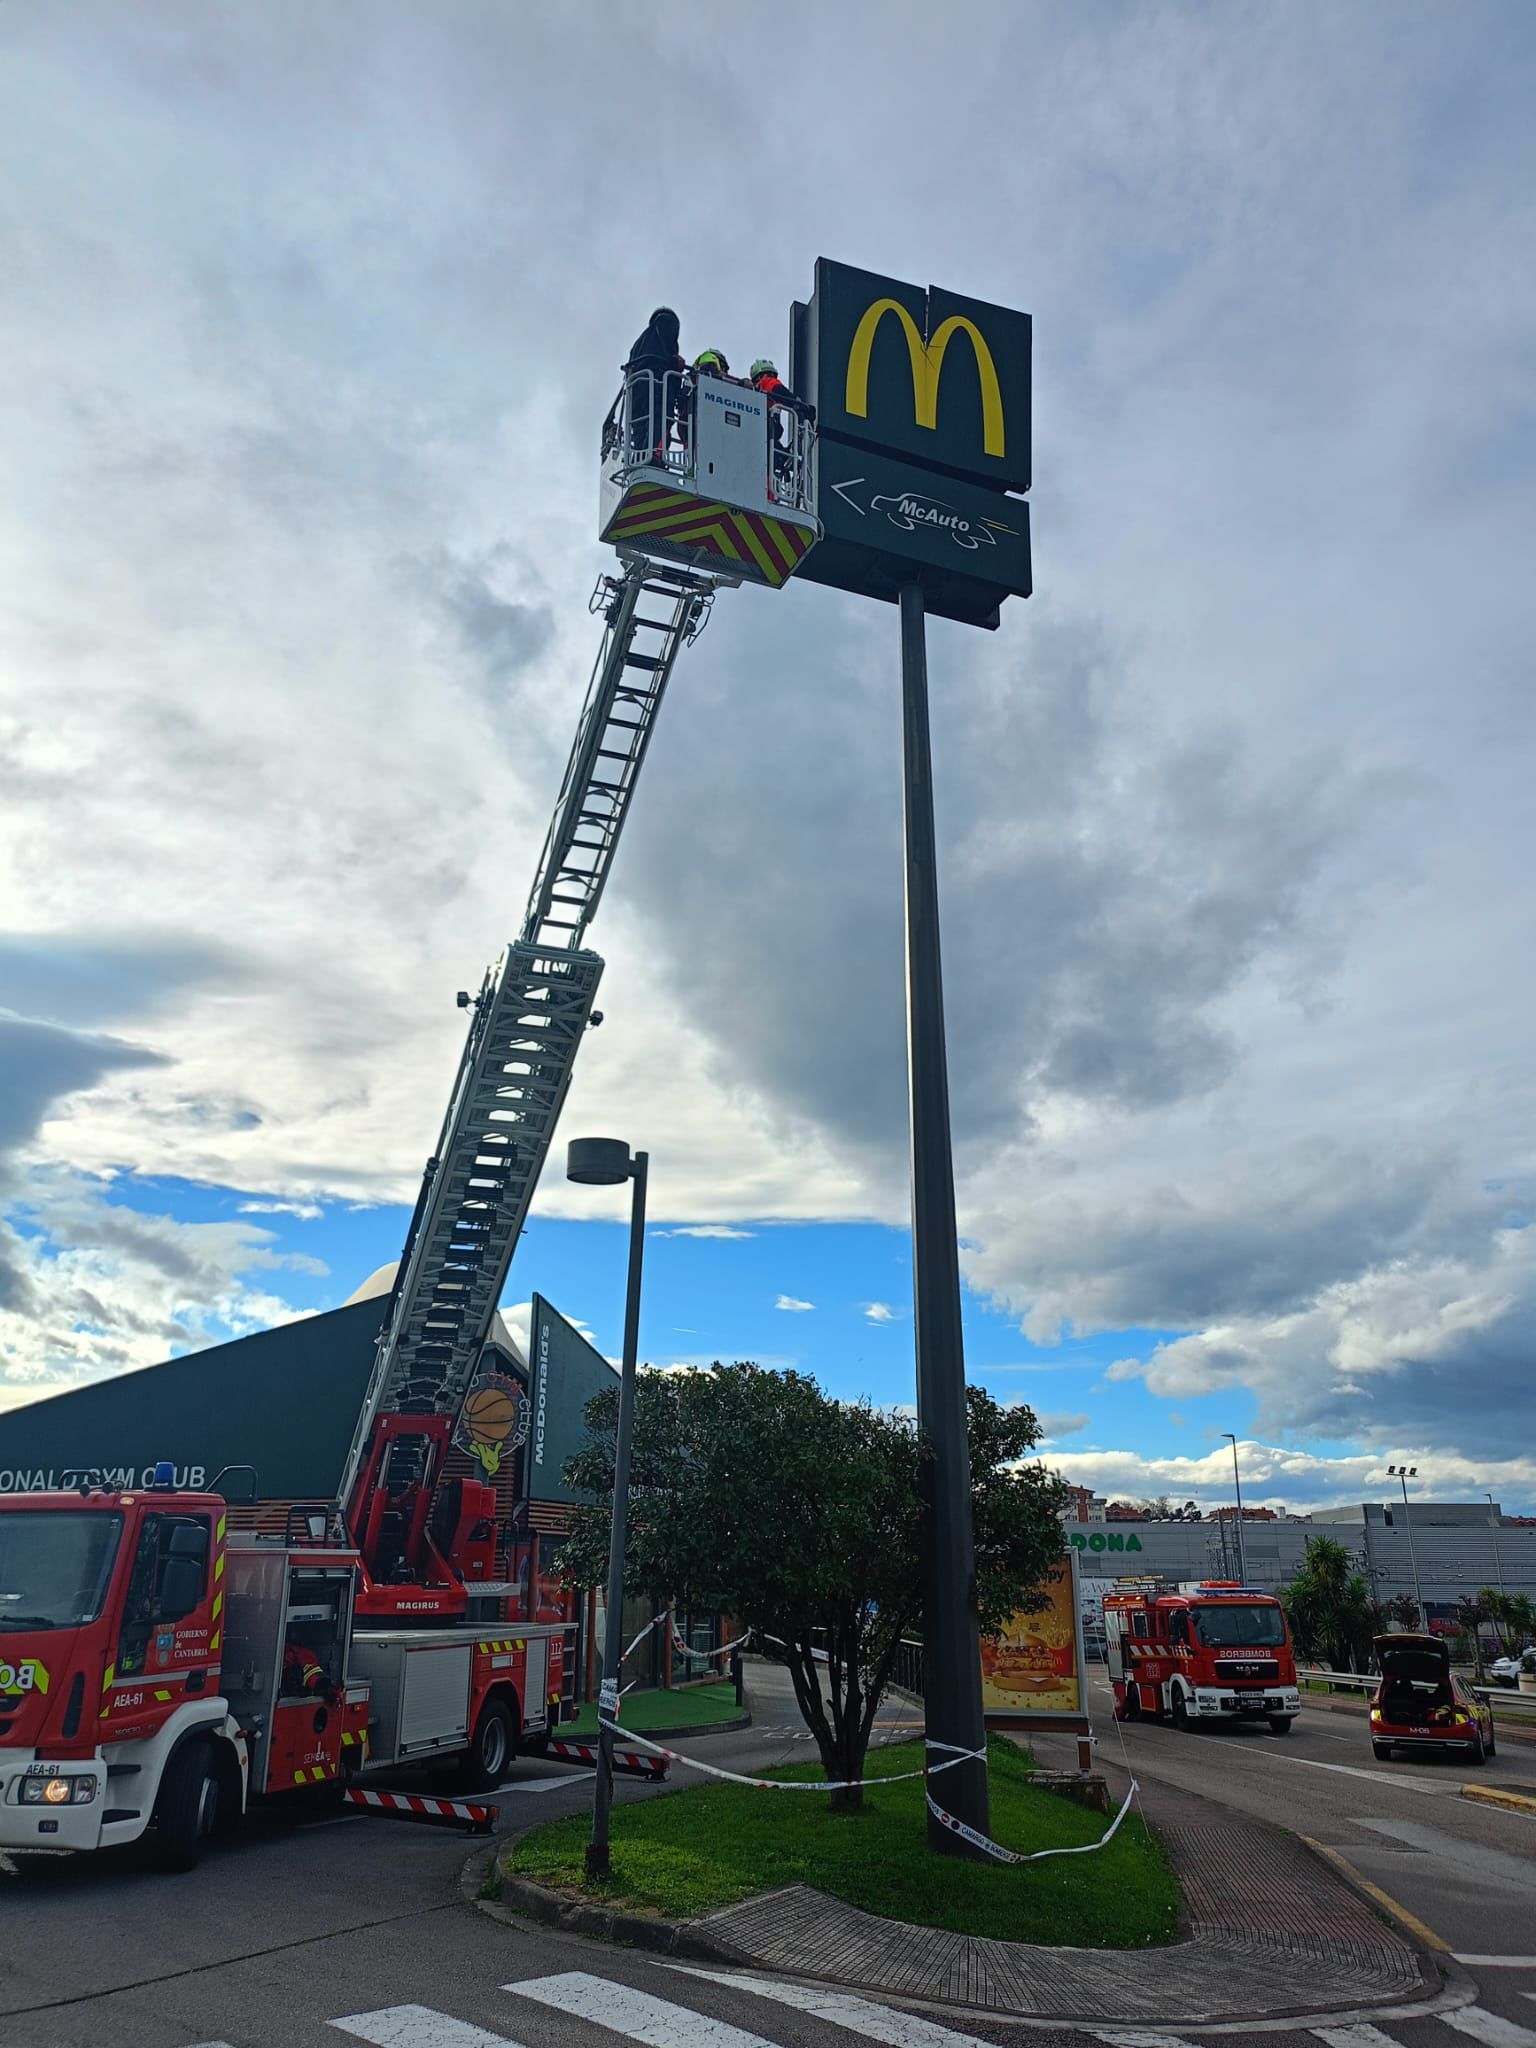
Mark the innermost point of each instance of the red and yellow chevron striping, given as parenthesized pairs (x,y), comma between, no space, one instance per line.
(765,547)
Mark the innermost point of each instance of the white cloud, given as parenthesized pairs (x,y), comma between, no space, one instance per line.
(792,1306)
(1296,1480)
(305,1211)
(880,1312)
(1053,1425)
(723,1230)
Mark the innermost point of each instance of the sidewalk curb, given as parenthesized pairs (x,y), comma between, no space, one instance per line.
(525,1899)
(1423,1940)
(1495,1795)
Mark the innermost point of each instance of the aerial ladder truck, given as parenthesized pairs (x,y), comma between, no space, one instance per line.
(159,1668)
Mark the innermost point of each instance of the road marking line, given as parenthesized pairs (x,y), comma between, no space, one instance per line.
(1361,1882)
(1499,1963)
(860,2015)
(1489,2028)
(418,2026)
(1143,2037)
(1354,2037)
(656,2021)
(548,1784)
(1274,1756)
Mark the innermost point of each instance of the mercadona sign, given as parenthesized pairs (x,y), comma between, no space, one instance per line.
(1103,1539)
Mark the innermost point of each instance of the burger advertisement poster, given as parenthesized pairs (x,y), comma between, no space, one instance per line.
(1034,1667)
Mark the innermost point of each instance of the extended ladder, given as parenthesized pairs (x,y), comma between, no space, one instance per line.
(527,1022)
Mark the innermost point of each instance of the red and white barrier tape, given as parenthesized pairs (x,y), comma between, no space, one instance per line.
(996,1849)
(704,1656)
(420,1807)
(623,1760)
(960,1756)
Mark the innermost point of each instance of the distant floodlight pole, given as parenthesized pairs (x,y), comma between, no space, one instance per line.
(952,1709)
(1237,1480)
(607,1162)
(1498,1562)
(1403,1473)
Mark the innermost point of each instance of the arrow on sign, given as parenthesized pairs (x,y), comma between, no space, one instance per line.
(842,491)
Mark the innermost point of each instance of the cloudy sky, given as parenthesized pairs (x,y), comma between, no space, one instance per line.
(309,318)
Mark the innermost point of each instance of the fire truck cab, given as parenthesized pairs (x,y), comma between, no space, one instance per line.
(1210,1650)
(159,1670)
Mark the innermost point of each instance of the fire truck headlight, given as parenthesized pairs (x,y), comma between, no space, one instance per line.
(57,1791)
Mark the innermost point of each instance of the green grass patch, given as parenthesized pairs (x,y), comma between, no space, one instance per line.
(694,1706)
(711,1845)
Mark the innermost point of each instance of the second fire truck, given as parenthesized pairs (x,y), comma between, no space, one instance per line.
(1208,1650)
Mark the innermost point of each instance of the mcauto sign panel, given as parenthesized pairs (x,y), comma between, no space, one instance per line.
(923,404)
(1032,1672)
(899,517)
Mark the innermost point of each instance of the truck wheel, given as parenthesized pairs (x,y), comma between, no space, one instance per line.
(1382,1751)
(1476,1753)
(490,1750)
(1280,1724)
(1181,1719)
(186,1813)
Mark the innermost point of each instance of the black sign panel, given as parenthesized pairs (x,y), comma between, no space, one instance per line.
(955,528)
(929,374)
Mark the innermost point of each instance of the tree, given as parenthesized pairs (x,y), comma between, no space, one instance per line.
(1470,1616)
(1329,1603)
(1159,1508)
(754,1494)
(1403,1609)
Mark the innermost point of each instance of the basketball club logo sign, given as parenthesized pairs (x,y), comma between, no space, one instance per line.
(494,1419)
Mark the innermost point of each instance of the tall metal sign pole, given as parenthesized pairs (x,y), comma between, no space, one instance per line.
(922,402)
(951,1643)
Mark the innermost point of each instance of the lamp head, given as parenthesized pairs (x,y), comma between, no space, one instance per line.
(598,1162)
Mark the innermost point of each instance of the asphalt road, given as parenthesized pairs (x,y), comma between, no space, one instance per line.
(355,1929)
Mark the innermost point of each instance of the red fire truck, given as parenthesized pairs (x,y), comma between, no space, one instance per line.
(159,1670)
(1211,1650)
(159,1666)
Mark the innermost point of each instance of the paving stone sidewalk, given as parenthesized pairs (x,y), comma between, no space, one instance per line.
(1272,1930)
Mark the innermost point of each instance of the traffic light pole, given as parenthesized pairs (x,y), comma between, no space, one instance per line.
(951,1644)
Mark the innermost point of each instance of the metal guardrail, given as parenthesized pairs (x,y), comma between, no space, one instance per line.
(1367,1681)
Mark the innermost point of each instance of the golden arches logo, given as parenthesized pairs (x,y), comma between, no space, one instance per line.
(927,367)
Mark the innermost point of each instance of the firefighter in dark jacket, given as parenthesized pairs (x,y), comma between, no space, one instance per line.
(656,402)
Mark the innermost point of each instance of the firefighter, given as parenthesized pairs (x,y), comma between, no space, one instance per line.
(765,378)
(709,362)
(303,1673)
(781,399)
(658,397)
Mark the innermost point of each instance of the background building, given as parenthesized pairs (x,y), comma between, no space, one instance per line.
(1456,1545)
(274,1413)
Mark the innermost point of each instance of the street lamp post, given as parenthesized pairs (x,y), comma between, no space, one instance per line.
(1403,1473)
(1237,1480)
(1498,1562)
(608,1162)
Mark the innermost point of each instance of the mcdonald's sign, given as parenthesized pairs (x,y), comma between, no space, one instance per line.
(923,373)
(922,411)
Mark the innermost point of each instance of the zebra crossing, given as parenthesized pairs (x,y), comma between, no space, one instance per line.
(540,2009)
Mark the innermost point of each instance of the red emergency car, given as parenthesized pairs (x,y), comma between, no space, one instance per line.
(1422,1704)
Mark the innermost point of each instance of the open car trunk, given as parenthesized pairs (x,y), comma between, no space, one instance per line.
(1415,1690)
